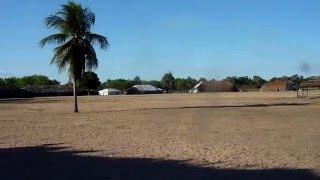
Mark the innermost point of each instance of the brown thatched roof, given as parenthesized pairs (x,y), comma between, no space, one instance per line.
(216,86)
(278,85)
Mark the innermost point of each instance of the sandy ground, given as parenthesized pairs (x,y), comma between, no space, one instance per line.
(242,134)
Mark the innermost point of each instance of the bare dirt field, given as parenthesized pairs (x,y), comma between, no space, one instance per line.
(252,135)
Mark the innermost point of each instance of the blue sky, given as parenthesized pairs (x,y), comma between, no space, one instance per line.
(198,38)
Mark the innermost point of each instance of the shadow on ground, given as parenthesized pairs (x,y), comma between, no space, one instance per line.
(52,162)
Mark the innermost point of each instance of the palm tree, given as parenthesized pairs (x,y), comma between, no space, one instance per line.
(74,52)
(168,81)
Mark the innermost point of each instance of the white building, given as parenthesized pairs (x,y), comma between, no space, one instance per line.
(109,91)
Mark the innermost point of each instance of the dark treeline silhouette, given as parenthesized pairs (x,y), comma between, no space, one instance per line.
(53,162)
(33,80)
(168,82)
(40,85)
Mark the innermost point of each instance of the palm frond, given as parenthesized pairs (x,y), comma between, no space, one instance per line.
(88,19)
(98,39)
(72,13)
(62,56)
(54,39)
(63,62)
(91,61)
(60,51)
(55,21)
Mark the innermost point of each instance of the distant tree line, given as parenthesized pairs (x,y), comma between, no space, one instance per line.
(245,82)
(296,79)
(168,82)
(124,84)
(33,80)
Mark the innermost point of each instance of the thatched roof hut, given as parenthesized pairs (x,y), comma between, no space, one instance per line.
(214,86)
(278,85)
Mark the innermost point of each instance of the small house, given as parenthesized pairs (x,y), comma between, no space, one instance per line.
(109,91)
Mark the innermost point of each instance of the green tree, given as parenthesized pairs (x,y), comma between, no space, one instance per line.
(137,80)
(13,82)
(296,79)
(240,82)
(27,81)
(2,83)
(120,84)
(180,84)
(168,81)
(184,85)
(191,82)
(75,51)
(283,78)
(40,80)
(37,80)
(90,81)
(155,83)
(257,81)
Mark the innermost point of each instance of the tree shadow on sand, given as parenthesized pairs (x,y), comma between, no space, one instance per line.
(52,162)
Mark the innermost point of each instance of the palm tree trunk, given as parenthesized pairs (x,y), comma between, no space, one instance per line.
(75,95)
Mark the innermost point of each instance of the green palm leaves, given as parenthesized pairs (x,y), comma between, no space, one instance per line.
(75,50)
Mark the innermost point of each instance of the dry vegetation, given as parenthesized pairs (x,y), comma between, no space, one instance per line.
(253,130)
